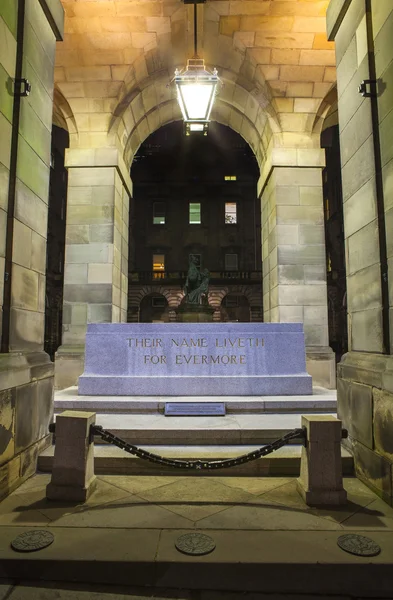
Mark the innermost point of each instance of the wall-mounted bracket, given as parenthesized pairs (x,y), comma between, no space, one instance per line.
(368,88)
(22,87)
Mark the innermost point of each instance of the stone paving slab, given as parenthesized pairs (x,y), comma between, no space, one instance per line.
(266,537)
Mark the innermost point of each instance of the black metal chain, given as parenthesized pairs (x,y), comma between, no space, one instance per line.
(197,464)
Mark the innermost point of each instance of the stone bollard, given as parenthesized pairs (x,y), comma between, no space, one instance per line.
(73,476)
(321,481)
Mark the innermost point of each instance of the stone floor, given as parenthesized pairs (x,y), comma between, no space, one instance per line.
(255,522)
(66,591)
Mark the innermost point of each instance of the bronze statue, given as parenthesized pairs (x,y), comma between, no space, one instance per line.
(197,284)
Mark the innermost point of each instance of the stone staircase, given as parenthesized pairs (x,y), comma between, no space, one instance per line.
(250,422)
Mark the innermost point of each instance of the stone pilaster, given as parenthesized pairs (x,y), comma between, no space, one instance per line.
(293,252)
(364,388)
(26,373)
(96,256)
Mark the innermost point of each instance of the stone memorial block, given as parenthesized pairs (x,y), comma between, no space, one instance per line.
(73,476)
(321,482)
(189,359)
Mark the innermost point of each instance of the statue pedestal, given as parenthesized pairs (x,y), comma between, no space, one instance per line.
(194,313)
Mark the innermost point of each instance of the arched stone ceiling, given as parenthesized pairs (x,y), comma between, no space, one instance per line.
(118,57)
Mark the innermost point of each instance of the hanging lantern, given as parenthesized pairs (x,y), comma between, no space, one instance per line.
(196,88)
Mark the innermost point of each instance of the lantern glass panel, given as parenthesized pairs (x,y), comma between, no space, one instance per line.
(197,99)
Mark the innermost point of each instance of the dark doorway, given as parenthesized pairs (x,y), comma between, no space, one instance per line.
(235,308)
(335,248)
(55,242)
(154,309)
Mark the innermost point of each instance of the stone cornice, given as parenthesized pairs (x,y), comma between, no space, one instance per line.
(99,157)
(290,157)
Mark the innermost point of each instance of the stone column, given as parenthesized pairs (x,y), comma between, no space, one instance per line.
(293,252)
(26,372)
(96,255)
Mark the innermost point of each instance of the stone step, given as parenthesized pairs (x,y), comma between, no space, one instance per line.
(157,429)
(322,400)
(268,564)
(110,460)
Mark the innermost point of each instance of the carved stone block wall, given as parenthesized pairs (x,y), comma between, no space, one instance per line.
(26,373)
(362,32)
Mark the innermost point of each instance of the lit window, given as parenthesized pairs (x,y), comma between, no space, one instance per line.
(231,262)
(230,177)
(195,213)
(230,212)
(159,213)
(158,262)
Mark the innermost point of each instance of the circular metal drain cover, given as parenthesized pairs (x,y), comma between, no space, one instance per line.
(30,541)
(359,545)
(195,544)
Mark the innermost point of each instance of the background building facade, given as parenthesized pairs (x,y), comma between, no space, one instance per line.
(195,197)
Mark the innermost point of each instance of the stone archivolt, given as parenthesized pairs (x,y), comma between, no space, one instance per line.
(116,60)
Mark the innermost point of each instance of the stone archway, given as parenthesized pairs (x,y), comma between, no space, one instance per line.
(236,308)
(277,68)
(154,308)
(138,293)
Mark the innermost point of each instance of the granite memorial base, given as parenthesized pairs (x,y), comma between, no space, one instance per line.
(190,359)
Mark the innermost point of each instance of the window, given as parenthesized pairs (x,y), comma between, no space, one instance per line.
(158,302)
(158,262)
(231,262)
(197,258)
(230,178)
(159,213)
(230,213)
(195,213)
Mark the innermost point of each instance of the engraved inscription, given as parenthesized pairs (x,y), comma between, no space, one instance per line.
(157,355)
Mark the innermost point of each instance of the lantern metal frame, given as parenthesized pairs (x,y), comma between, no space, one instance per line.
(196,74)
